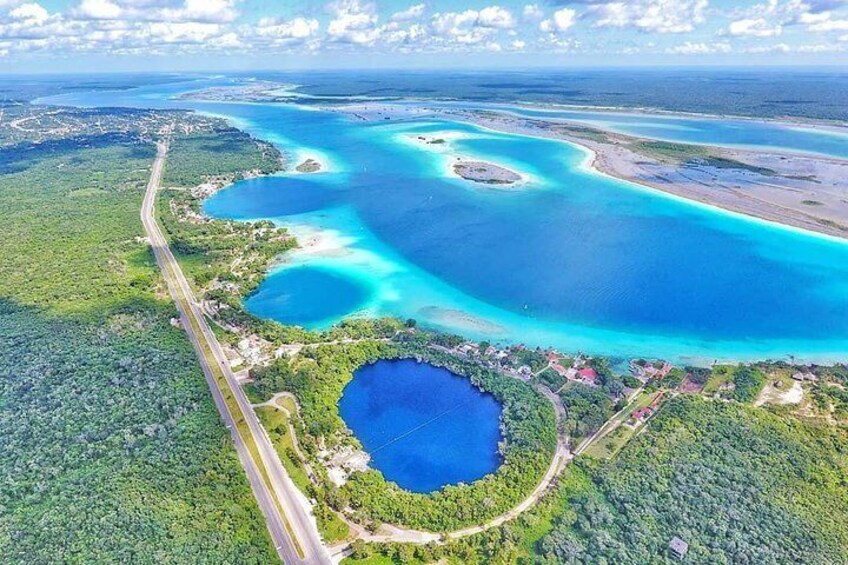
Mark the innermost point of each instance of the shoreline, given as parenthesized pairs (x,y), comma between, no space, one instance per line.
(741,183)
(290,94)
(824,355)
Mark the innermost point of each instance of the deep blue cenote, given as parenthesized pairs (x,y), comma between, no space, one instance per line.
(423,426)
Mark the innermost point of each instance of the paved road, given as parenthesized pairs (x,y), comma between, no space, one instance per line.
(295,506)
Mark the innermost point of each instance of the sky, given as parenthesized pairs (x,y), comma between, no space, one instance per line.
(207,35)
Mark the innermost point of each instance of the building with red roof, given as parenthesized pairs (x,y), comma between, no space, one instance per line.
(588,374)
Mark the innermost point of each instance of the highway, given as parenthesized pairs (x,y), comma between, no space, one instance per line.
(293,510)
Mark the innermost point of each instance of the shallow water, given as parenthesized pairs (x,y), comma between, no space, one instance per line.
(728,132)
(290,296)
(423,426)
(570,259)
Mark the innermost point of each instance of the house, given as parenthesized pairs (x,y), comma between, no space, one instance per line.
(642,414)
(678,547)
(588,374)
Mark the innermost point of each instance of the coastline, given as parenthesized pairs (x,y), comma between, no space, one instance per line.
(741,189)
(580,337)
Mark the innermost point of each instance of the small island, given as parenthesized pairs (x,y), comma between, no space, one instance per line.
(486,173)
(308,166)
(431,140)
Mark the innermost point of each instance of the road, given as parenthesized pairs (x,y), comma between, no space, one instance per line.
(295,508)
(610,425)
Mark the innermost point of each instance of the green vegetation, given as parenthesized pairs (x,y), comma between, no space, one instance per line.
(613,441)
(318,377)
(112,447)
(739,382)
(228,257)
(693,156)
(748,382)
(829,394)
(669,150)
(725,163)
(106,419)
(218,152)
(739,484)
(587,408)
(276,423)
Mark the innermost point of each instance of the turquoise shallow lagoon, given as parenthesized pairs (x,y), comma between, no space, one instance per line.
(569,258)
(290,296)
(729,132)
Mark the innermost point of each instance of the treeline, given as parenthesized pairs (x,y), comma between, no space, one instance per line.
(111,449)
(223,152)
(739,484)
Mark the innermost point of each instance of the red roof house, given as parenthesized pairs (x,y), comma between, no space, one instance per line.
(588,374)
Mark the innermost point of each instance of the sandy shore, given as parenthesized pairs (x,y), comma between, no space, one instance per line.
(804,191)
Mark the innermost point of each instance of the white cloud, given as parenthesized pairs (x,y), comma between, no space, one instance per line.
(660,16)
(756,27)
(561,21)
(690,48)
(412,13)
(98,10)
(828,25)
(785,48)
(182,32)
(471,27)
(411,37)
(211,11)
(518,45)
(353,22)
(496,17)
(208,11)
(282,32)
(31,13)
(532,12)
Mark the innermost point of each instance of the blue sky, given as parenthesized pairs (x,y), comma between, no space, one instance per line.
(104,35)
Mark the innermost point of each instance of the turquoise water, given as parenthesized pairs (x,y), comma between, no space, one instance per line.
(569,258)
(289,296)
(423,426)
(728,132)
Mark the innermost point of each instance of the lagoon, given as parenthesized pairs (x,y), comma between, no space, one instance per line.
(306,296)
(571,259)
(423,426)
